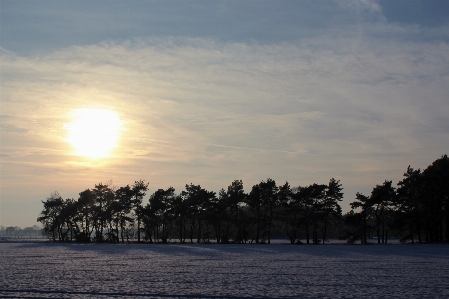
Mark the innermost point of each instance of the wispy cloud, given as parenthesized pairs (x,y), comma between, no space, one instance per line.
(358,104)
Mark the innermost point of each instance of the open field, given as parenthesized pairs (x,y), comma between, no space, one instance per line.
(49,270)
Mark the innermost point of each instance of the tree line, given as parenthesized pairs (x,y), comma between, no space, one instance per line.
(17,232)
(418,209)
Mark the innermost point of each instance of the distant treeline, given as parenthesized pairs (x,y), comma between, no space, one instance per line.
(17,232)
(417,210)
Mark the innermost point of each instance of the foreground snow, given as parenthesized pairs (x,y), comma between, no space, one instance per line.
(50,270)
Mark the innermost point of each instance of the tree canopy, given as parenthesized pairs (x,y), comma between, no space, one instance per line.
(418,208)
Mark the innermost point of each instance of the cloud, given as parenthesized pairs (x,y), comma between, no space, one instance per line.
(369,6)
(356,107)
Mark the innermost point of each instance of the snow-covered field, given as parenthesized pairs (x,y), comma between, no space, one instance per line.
(48,270)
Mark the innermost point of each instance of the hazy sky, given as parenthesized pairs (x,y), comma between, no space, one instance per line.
(213,91)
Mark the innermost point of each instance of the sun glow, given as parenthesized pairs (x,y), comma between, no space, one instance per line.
(94,132)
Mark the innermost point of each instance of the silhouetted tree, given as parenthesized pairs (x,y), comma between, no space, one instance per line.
(330,207)
(353,227)
(254,202)
(50,216)
(139,191)
(196,200)
(160,207)
(419,207)
(289,212)
(124,204)
(270,204)
(262,202)
(362,202)
(180,213)
(230,203)
(435,194)
(104,196)
(86,205)
(408,204)
(382,198)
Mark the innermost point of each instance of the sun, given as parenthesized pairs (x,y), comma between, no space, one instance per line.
(94,132)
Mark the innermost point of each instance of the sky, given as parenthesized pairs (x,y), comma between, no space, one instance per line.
(208,92)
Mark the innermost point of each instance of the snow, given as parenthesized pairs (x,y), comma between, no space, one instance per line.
(52,270)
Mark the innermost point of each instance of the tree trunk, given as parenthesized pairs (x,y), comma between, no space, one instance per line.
(307,234)
(198,239)
(269,235)
(447,224)
(419,233)
(192,226)
(219,233)
(324,233)
(180,229)
(378,234)
(364,230)
(257,231)
(138,229)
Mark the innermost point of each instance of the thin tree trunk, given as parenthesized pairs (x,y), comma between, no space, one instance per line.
(447,223)
(269,234)
(138,229)
(315,234)
(378,234)
(324,233)
(419,233)
(257,231)
(192,226)
(180,229)
(198,239)
(364,230)
(307,234)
